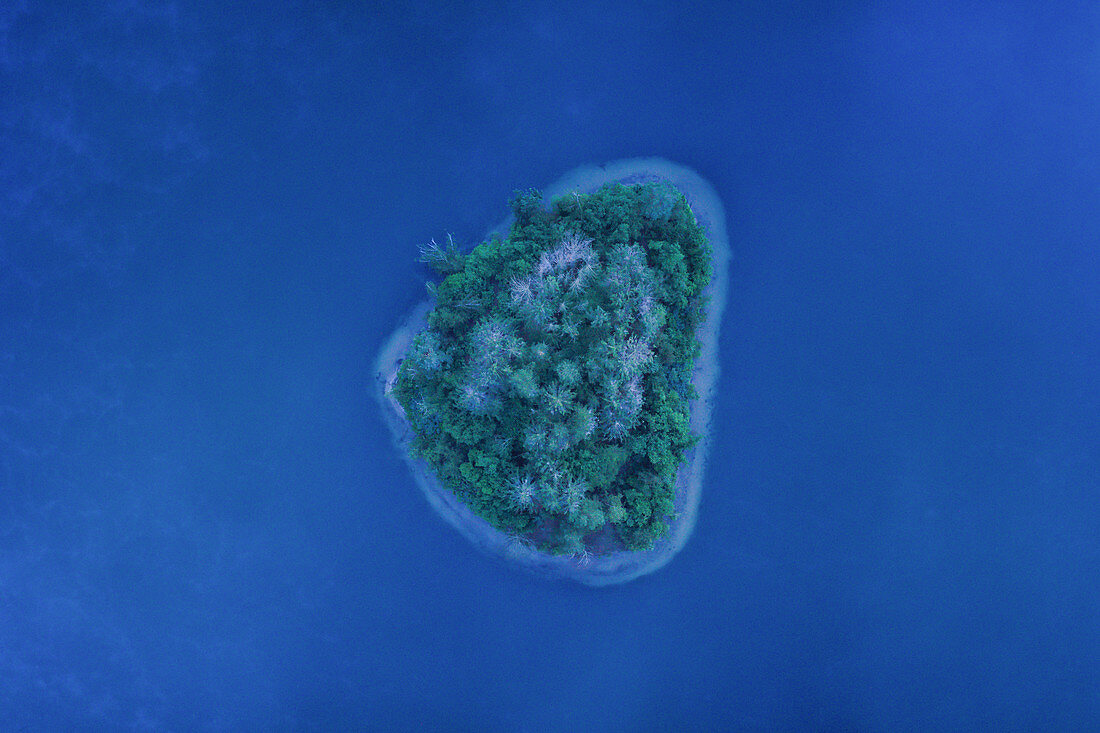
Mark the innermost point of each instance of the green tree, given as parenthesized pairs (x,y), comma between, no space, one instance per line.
(550,388)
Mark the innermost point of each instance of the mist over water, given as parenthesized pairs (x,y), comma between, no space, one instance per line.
(208,226)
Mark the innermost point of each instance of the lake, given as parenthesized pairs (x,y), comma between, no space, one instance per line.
(209,222)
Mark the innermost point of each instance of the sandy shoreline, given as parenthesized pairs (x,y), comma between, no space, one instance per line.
(617,567)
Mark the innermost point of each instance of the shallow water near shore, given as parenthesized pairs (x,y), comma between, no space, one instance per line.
(209,221)
(600,569)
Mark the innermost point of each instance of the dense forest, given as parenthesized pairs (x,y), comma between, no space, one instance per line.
(550,387)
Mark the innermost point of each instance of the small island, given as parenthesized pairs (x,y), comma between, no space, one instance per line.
(553,397)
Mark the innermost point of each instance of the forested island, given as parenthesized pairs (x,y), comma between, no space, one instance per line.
(549,386)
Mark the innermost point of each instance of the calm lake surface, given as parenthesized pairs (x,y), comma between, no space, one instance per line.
(208,225)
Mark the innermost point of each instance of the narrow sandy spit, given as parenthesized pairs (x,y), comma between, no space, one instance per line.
(618,567)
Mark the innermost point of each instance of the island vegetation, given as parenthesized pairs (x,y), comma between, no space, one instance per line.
(550,387)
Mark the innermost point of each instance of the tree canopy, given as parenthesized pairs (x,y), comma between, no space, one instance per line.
(550,387)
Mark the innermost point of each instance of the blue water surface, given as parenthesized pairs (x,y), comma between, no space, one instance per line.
(208,223)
